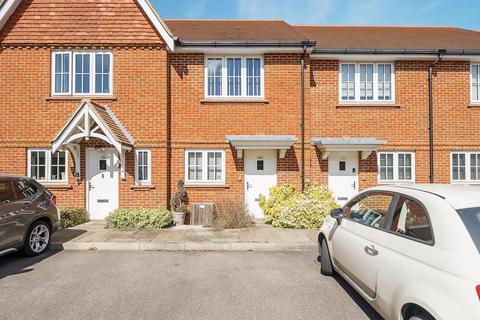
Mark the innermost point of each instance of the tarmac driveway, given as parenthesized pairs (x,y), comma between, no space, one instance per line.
(174,285)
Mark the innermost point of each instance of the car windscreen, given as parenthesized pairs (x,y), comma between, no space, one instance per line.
(471,219)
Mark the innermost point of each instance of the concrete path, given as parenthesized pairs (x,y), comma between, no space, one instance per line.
(120,285)
(260,237)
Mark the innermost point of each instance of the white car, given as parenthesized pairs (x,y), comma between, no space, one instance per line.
(413,251)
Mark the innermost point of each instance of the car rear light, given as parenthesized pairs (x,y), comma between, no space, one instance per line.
(478,291)
(54,199)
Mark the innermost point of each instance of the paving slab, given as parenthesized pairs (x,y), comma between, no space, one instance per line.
(260,237)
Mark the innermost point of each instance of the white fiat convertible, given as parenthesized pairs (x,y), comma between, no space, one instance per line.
(413,252)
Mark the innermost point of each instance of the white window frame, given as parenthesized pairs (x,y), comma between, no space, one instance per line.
(357,99)
(468,178)
(224,85)
(204,179)
(396,167)
(149,168)
(473,101)
(48,163)
(71,91)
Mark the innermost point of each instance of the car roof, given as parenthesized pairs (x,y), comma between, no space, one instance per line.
(458,196)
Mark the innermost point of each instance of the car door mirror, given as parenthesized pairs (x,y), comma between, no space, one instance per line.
(337,214)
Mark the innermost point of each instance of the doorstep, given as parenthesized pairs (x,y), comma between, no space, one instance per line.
(260,237)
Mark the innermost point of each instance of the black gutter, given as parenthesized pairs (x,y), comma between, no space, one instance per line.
(449,52)
(253,44)
(303,116)
(430,112)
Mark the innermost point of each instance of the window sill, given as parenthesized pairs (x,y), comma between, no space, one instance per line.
(56,186)
(466,182)
(474,105)
(75,98)
(395,182)
(234,100)
(142,187)
(207,185)
(366,104)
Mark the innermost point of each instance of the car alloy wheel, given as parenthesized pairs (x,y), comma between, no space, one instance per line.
(39,238)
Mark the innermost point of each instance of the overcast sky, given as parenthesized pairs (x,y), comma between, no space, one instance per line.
(460,13)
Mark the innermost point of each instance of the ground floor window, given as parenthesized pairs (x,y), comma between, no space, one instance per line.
(45,166)
(465,166)
(205,166)
(396,166)
(143,167)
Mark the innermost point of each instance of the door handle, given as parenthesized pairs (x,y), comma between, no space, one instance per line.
(90,187)
(248,185)
(354,184)
(370,250)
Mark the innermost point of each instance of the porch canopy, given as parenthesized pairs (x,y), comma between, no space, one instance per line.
(365,145)
(92,120)
(281,143)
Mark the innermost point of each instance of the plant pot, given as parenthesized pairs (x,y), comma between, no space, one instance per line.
(179,218)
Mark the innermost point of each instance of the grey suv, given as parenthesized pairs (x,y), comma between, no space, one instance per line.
(28,215)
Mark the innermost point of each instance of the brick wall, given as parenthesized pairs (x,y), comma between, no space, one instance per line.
(31,118)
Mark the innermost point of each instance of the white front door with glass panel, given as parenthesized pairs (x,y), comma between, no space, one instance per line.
(343,175)
(260,176)
(102,182)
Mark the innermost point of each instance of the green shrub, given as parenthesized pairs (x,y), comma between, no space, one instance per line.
(139,218)
(71,217)
(299,210)
(273,206)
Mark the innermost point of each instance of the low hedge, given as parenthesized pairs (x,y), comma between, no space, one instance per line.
(71,217)
(287,208)
(139,218)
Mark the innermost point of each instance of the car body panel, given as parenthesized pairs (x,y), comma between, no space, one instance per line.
(16,216)
(440,276)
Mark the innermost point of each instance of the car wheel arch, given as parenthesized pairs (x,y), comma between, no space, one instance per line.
(411,309)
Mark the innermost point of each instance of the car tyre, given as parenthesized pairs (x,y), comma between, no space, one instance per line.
(37,239)
(326,267)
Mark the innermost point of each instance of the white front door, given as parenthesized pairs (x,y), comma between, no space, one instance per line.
(102,182)
(343,175)
(260,176)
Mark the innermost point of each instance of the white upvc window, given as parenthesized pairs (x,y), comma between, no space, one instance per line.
(396,166)
(45,166)
(143,167)
(82,73)
(465,167)
(205,166)
(475,83)
(61,73)
(234,77)
(361,82)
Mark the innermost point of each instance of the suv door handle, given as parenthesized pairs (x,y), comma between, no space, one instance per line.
(370,250)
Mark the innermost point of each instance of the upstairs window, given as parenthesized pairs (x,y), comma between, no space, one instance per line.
(234,77)
(465,167)
(82,73)
(396,167)
(475,80)
(362,82)
(45,166)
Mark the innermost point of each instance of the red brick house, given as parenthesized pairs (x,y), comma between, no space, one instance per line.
(108,105)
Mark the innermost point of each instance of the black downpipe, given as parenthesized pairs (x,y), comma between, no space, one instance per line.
(303,118)
(430,112)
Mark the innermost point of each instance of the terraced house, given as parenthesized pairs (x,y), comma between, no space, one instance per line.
(109,105)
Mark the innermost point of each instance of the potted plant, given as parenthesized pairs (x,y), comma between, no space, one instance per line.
(178,203)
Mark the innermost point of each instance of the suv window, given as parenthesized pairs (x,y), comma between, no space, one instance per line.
(370,210)
(410,219)
(6,192)
(25,189)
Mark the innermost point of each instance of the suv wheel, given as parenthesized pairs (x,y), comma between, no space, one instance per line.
(37,239)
